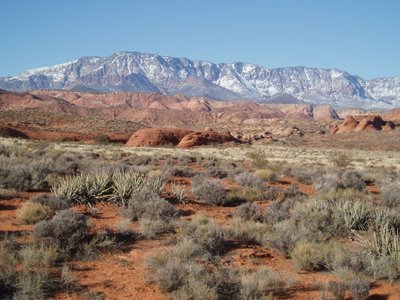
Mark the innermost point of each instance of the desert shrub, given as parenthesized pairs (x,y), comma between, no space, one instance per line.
(33,284)
(31,213)
(151,228)
(15,175)
(67,230)
(390,195)
(247,231)
(248,179)
(8,273)
(279,210)
(312,256)
(6,194)
(66,165)
(338,289)
(266,174)
(247,194)
(51,201)
(205,233)
(283,237)
(261,284)
(181,171)
(306,175)
(170,276)
(353,180)
(359,289)
(342,160)
(102,139)
(258,158)
(179,192)
(209,190)
(214,168)
(148,204)
(327,182)
(186,249)
(315,220)
(249,212)
(138,160)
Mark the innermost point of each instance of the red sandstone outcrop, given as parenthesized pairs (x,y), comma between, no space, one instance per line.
(210,137)
(157,137)
(368,123)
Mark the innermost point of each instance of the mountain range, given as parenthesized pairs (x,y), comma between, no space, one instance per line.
(151,73)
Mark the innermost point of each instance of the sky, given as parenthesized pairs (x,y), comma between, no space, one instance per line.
(361,37)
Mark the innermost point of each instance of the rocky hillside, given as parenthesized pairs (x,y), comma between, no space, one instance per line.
(141,72)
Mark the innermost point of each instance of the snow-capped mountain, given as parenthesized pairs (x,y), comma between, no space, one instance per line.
(142,72)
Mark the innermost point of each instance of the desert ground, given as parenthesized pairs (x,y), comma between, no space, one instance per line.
(283,209)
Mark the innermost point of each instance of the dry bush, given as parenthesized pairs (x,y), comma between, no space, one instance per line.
(209,190)
(312,256)
(148,204)
(31,213)
(53,202)
(266,174)
(67,230)
(353,180)
(248,179)
(249,212)
(248,194)
(390,195)
(205,233)
(260,284)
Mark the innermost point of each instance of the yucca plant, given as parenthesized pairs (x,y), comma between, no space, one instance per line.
(354,214)
(382,243)
(71,187)
(384,218)
(85,188)
(125,183)
(156,184)
(179,191)
(98,185)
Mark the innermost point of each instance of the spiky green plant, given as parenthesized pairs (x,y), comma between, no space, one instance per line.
(354,214)
(382,243)
(125,183)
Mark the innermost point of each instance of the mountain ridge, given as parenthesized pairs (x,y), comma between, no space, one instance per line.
(143,72)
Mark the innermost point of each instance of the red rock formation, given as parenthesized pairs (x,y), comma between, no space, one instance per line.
(157,137)
(201,138)
(369,123)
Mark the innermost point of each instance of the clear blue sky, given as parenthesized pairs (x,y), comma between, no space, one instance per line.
(359,36)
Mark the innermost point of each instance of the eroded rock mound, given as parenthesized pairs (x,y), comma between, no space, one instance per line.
(157,137)
(209,137)
(368,123)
